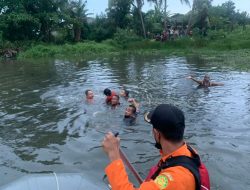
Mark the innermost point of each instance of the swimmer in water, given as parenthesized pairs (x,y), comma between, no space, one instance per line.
(131,112)
(89,95)
(205,82)
(124,93)
(115,101)
(109,94)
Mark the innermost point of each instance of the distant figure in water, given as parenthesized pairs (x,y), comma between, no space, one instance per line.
(109,94)
(89,95)
(115,101)
(131,112)
(124,93)
(205,82)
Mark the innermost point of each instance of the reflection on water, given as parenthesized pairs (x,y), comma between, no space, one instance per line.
(46,125)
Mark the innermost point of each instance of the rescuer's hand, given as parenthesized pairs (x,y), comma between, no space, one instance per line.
(111,145)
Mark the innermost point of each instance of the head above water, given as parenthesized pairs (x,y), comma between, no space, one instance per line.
(206,81)
(124,93)
(89,94)
(130,111)
(169,120)
(206,78)
(115,100)
(107,92)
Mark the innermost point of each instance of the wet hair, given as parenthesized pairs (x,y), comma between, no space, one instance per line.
(207,76)
(87,91)
(126,93)
(107,92)
(118,97)
(133,108)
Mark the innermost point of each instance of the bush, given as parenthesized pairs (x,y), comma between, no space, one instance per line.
(216,34)
(20,26)
(124,36)
(69,50)
(59,36)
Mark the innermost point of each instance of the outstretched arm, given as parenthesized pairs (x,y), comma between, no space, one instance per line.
(195,80)
(216,84)
(134,103)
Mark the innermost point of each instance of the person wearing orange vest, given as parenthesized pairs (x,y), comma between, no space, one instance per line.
(109,95)
(168,129)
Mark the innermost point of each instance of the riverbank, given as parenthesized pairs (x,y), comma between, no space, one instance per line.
(235,58)
(221,48)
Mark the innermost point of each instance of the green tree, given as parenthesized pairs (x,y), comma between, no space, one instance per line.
(100,29)
(159,4)
(138,15)
(10,6)
(47,11)
(118,12)
(217,18)
(153,20)
(200,16)
(19,26)
(78,16)
(139,8)
(229,8)
(225,17)
(179,20)
(242,19)
(16,23)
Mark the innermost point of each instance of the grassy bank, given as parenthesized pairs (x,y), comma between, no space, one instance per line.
(67,50)
(218,45)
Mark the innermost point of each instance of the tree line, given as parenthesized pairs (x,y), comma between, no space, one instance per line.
(60,21)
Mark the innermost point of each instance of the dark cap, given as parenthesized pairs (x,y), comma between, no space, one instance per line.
(169,120)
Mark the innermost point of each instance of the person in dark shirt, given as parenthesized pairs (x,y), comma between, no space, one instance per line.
(131,112)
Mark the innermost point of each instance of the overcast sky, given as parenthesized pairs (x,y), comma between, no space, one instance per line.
(174,6)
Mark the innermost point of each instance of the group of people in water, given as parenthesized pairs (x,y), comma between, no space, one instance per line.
(132,110)
(180,166)
(113,100)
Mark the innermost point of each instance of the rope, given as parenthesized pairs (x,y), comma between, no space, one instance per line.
(57,184)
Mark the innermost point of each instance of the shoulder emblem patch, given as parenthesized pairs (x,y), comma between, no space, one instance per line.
(161,181)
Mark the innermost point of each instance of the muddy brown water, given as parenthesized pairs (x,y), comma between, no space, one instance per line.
(46,125)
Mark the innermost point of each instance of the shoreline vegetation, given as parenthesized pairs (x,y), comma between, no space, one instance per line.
(93,49)
(125,41)
(232,48)
(64,29)
(219,47)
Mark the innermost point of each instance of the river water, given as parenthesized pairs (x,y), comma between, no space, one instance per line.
(46,125)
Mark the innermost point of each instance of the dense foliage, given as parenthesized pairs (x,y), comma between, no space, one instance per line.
(65,21)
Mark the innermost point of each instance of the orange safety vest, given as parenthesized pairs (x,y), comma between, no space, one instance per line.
(109,98)
(173,178)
